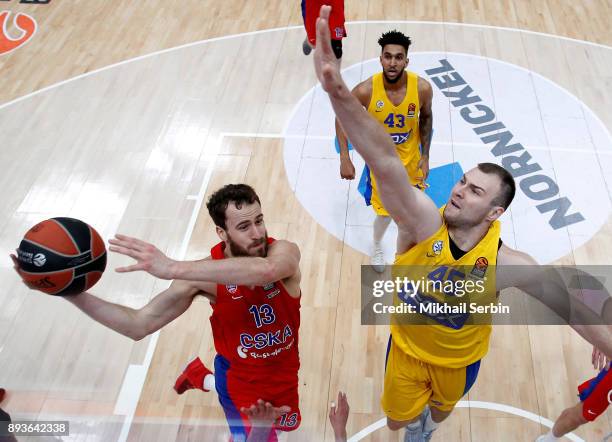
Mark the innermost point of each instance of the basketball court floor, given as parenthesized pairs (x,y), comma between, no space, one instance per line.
(128,115)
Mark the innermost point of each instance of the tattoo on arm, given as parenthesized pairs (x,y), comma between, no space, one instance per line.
(425,124)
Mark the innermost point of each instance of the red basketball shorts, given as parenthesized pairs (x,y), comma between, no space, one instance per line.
(235,392)
(596,395)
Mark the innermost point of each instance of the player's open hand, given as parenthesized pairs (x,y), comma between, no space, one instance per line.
(338,416)
(264,414)
(327,66)
(148,257)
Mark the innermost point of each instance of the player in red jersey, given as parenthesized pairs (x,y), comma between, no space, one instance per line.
(310,13)
(253,283)
(595,396)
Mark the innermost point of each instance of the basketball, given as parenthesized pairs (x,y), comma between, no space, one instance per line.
(61,256)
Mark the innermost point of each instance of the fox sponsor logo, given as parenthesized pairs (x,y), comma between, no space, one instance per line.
(265,339)
(25,24)
(401,137)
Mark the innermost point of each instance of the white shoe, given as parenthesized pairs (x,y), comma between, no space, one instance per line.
(378,260)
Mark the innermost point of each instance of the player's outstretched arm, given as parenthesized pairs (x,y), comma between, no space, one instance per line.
(546,285)
(281,263)
(138,323)
(413,212)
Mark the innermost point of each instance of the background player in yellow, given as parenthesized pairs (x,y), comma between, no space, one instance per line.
(401,101)
(426,375)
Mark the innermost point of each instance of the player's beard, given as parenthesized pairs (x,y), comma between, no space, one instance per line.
(393,80)
(251,250)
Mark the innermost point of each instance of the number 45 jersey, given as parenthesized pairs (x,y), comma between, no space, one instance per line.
(256,328)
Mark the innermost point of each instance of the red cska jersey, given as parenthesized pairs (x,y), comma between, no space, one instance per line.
(256,328)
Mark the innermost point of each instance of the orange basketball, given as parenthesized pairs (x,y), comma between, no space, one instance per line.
(61,256)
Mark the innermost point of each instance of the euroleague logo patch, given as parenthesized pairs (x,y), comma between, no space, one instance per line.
(39,260)
(23,24)
(480,267)
(484,110)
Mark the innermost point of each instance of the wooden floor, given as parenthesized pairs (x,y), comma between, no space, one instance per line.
(137,147)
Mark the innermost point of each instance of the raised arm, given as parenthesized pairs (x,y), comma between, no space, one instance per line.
(282,263)
(363,93)
(547,286)
(414,213)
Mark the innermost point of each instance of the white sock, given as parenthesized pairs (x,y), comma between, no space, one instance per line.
(413,426)
(548,437)
(209,382)
(430,424)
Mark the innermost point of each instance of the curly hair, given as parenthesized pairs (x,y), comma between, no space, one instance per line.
(236,193)
(394,38)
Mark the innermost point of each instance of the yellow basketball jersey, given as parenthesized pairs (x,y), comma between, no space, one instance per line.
(401,122)
(447,342)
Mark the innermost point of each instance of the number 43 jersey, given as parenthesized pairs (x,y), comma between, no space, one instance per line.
(256,328)
(401,122)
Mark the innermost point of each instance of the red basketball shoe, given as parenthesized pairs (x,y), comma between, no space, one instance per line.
(192,377)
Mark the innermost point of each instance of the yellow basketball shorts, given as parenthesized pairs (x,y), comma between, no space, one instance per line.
(411,384)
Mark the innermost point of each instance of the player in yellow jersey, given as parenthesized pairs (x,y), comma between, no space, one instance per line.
(401,101)
(426,375)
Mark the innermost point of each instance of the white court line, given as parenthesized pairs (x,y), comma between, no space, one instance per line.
(288,28)
(135,377)
(474,404)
